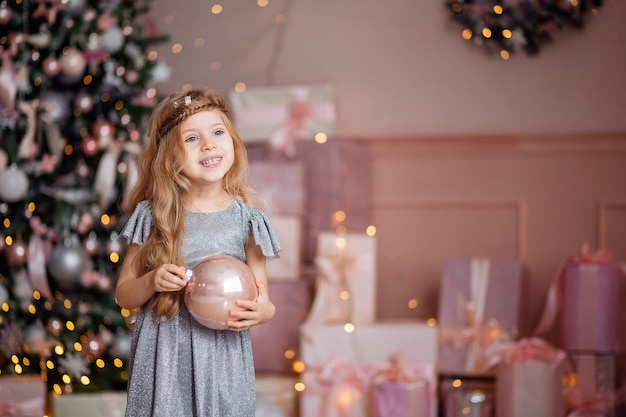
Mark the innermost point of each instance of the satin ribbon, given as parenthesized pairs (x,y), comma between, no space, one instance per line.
(28,148)
(8,86)
(299,111)
(338,383)
(334,276)
(38,251)
(596,405)
(474,333)
(132,172)
(515,352)
(402,374)
(32,406)
(104,181)
(554,298)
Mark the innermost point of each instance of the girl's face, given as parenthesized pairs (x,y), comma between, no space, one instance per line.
(209,148)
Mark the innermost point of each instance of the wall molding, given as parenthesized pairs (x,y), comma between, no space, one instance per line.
(562,144)
(518,206)
(604,209)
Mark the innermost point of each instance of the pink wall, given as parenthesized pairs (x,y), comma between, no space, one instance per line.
(400,68)
(536,198)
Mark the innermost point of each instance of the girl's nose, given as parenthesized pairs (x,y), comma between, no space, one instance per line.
(209,145)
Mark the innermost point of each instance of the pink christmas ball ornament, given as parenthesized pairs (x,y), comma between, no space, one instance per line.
(216,283)
(73,64)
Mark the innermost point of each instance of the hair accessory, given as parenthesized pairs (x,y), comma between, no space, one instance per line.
(175,104)
(187,100)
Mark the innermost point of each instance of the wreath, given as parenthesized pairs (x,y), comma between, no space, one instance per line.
(525,25)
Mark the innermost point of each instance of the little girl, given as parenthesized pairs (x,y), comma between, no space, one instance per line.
(191,201)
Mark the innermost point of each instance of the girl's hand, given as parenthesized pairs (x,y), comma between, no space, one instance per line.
(169,277)
(252,313)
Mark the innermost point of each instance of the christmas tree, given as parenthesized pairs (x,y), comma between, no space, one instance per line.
(77,86)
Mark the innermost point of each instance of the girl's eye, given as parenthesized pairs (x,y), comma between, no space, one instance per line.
(191,139)
(219,132)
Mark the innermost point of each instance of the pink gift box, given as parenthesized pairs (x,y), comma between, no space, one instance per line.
(590,307)
(22,396)
(404,399)
(479,306)
(336,176)
(271,340)
(280,185)
(336,389)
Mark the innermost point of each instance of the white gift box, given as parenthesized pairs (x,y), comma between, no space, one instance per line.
(276,396)
(345,281)
(272,113)
(358,356)
(289,265)
(374,343)
(101,404)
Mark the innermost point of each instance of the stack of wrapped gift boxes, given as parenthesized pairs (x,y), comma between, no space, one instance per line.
(354,365)
(479,311)
(587,290)
(485,370)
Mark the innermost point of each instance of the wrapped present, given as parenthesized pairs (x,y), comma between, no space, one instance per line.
(101,404)
(276,396)
(593,390)
(289,265)
(590,315)
(280,185)
(22,396)
(283,115)
(478,307)
(336,176)
(401,390)
(530,380)
(270,341)
(372,343)
(336,389)
(345,281)
(586,288)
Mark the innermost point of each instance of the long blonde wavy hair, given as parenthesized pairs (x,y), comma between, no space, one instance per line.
(163,184)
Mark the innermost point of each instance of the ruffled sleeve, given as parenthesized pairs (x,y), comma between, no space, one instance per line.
(264,235)
(138,226)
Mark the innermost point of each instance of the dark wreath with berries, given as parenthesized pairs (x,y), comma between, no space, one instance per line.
(525,25)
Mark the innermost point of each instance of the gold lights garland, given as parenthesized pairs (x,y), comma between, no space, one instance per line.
(525,25)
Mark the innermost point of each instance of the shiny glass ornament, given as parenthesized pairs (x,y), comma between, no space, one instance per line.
(214,286)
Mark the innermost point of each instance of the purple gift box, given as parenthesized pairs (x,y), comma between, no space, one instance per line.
(590,307)
(478,307)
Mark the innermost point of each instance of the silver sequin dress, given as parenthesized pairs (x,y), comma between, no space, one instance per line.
(181,368)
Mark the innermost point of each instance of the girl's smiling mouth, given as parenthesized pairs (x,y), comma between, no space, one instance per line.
(211,161)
